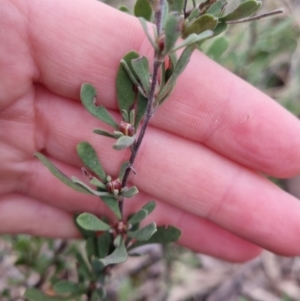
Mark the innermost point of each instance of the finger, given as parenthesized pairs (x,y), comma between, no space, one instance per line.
(210,105)
(195,179)
(23,214)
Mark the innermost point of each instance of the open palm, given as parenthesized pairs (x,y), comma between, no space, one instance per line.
(202,158)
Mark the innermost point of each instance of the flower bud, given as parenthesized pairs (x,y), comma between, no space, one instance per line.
(114,185)
(126,128)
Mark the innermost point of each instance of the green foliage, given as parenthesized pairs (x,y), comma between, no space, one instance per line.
(201,24)
(140,90)
(88,98)
(119,255)
(245,9)
(124,85)
(90,159)
(91,222)
(143,9)
(123,142)
(58,174)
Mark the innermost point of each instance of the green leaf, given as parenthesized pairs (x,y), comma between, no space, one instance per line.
(141,109)
(201,24)
(129,193)
(217,8)
(118,240)
(138,217)
(88,96)
(244,10)
(149,207)
(143,9)
(172,31)
(180,66)
(176,5)
(194,38)
(141,68)
(88,188)
(90,159)
(124,9)
(91,246)
(132,116)
(103,133)
(91,222)
(33,294)
(85,233)
(141,214)
(221,27)
(218,47)
(61,176)
(163,235)
(145,28)
(103,243)
(193,15)
(123,169)
(83,269)
(100,186)
(123,142)
(124,85)
(119,255)
(67,287)
(143,234)
(113,204)
(98,270)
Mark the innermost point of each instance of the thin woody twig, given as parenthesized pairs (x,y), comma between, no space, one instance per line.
(151,97)
(258,17)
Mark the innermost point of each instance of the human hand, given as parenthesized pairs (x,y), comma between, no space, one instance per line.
(201,160)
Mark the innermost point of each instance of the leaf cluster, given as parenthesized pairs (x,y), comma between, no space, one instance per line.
(140,91)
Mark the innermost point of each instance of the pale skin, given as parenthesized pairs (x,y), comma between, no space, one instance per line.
(203,156)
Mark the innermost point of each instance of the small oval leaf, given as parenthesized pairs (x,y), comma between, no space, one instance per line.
(61,176)
(123,169)
(143,9)
(163,235)
(201,24)
(91,222)
(90,159)
(113,204)
(124,85)
(244,10)
(88,96)
(217,48)
(123,142)
(141,68)
(142,102)
(119,255)
(217,8)
(103,133)
(172,29)
(129,193)
(138,217)
(143,234)
(149,207)
(103,243)
(176,5)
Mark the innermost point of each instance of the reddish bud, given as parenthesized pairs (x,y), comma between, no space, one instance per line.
(120,227)
(114,185)
(126,128)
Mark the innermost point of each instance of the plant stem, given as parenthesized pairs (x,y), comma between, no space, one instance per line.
(151,97)
(257,17)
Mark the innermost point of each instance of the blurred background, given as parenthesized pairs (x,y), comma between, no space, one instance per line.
(265,53)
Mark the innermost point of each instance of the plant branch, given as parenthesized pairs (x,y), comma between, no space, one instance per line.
(258,17)
(151,97)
